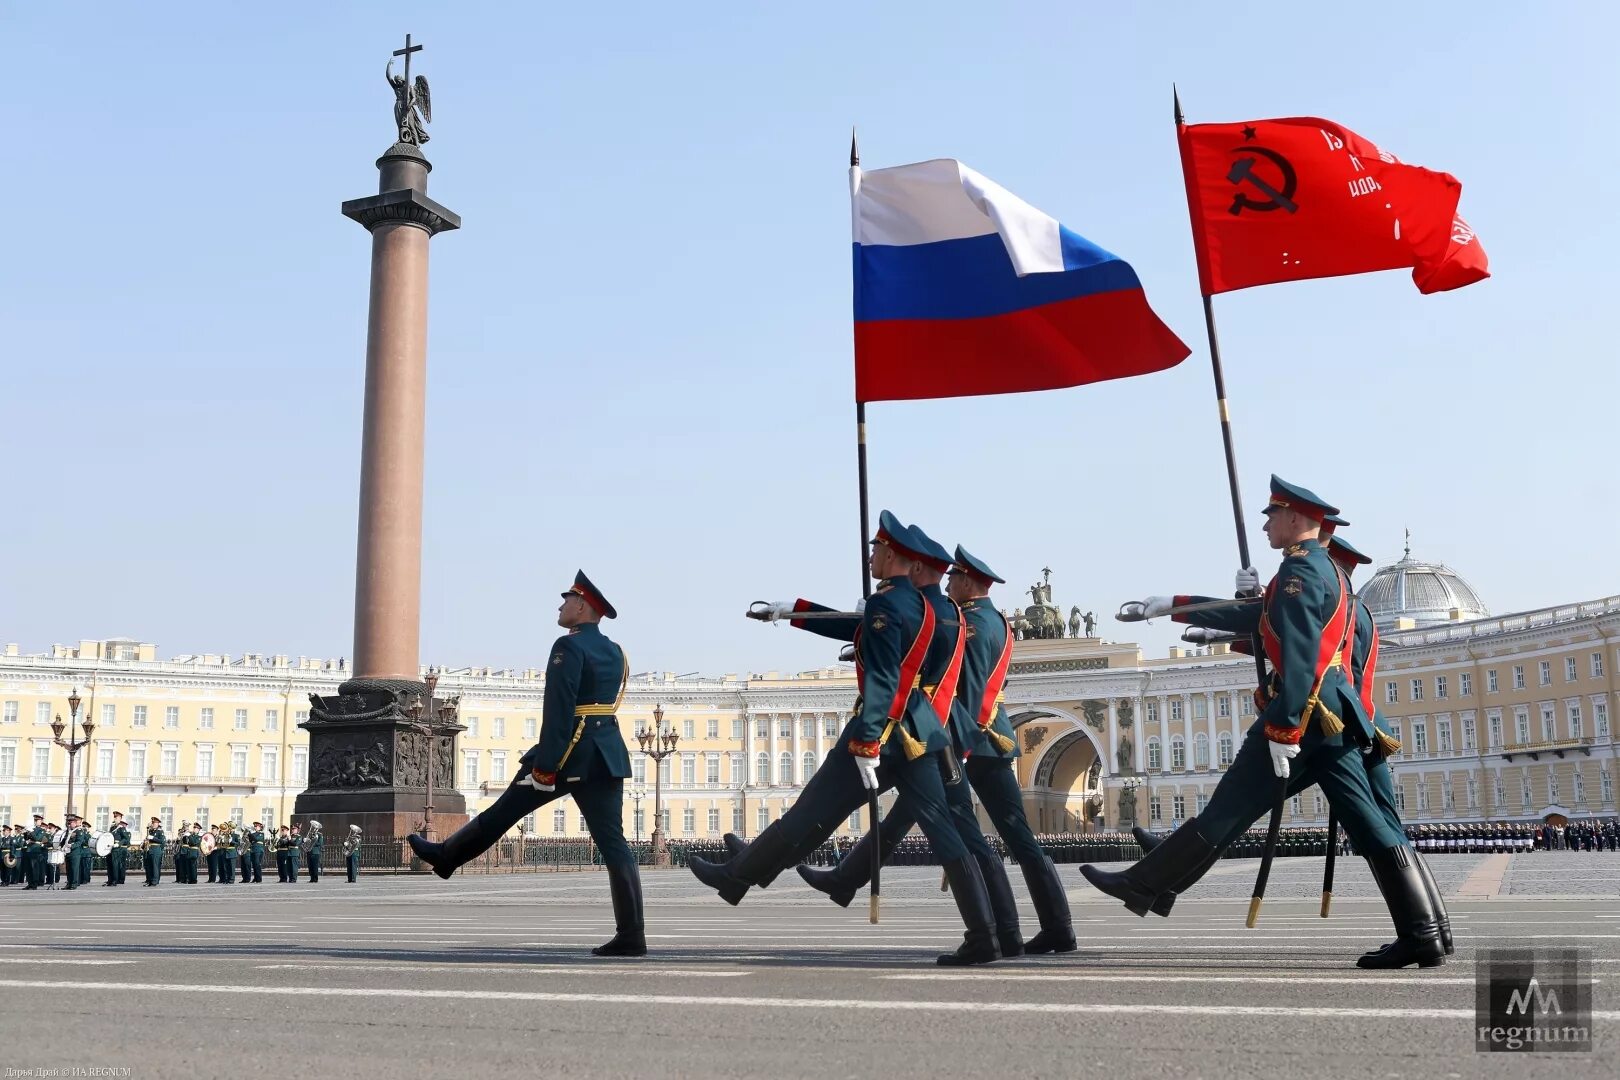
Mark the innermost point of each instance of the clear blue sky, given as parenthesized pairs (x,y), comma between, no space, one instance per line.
(640,341)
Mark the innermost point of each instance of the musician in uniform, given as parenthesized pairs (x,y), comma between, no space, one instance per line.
(187,853)
(974,708)
(255,848)
(10,861)
(893,739)
(35,841)
(284,846)
(77,844)
(1309,711)
(155,842)
(581,752)
(314,845)
(118,857)
(351,853)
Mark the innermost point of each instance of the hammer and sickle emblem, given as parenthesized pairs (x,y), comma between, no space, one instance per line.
(1243,170)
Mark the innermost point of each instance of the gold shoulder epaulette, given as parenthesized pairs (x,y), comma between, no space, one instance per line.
(1295,551)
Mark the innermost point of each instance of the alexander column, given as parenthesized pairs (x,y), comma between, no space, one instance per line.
(365,767)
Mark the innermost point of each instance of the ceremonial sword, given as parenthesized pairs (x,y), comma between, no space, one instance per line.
(760,609)
(1204,605)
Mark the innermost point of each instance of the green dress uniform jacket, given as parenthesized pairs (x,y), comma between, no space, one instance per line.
(579,730)
(988,637)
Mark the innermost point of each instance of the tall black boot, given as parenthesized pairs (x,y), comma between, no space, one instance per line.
(1439,904)
(736,845)
(1417,928)
(461,846)
(629,928)
(1051,908)
(1003,906)
(733,878)
(1155,873)
(1167,900)
(973,904)
(840,882)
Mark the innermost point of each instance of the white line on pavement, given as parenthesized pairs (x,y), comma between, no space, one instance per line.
(1326,980)
(606,968)
(66,960)
(1268,1013)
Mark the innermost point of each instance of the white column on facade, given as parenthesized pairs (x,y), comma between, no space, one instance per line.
(1112,764)
(748,753)
(772,767)
(1209,725)
(1139,732)
(1237,723)
(1164,732)
(821,739)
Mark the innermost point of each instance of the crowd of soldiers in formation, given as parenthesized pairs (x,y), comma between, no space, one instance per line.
(48,855)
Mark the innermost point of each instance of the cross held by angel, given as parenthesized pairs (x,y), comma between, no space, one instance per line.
(413,104)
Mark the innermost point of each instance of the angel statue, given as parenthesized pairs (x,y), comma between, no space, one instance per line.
(413,107)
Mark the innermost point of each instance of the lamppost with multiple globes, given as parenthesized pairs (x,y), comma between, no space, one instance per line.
(658,744)
(636,795)
(431,731)
(71,745)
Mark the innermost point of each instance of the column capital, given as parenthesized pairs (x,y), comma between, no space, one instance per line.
(404,206)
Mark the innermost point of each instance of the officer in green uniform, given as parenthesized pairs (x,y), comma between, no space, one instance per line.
(893,739)
(187,853)
(8,855)
(34,853)
(316,840)
(255,839)
(1310,711)
(284,849)
(581,752)
(155,842)
(981,732)
(78,841)
(118,856)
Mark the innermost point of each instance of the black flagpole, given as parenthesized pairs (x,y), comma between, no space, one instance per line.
(1275,824)
(860,406)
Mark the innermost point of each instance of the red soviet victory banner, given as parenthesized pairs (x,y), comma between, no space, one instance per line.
(1301,197)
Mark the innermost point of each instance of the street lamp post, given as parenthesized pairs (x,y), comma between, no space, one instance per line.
(658,744)
(636,795)
(71,745)
(445,715)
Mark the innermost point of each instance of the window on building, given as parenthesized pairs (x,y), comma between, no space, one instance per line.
(714,818)
(171,716)
(1499,790)
(1597,665)
(1201,750)
(1155,756)
(1223,707)
(638,769)
(240,722)
(8,761)
(711,769)
(272,719)
(205,719)
(497,764)
(1178,806)
(531,728)
(738,777)
(1400,796)
(739,729)
(137,761)
(1521,725)
(1552,786)
(1155,809)
(713,727)
(1423,793)
(104,762)
(1392,693)
(688,770)
(1200,708)
(1573,715)
(1470,736)
(1495,723)
(807,766)
(785,769)
(1549,722)
(1417,689)
(269,770)
(640,822)
(1224,748)
(666,769)
(1524,790)
(762,729)
(1465,684)
(689,729)
(1442,728)
(1394,728)
(1518,676)
(1319,805)
(784,727)
(42,763)
(1448,795)
(1176,710)
(239,756)
(1296,807)
(1491,685)
(1580,788)
(1606,788)
(201,817)
(1441,687)
(1473,793)
(830,727)
(1420,737)
(559,822)
(1151,712)
(300,716)
(762,818)
(170,758)
(205,761)
(688,821)
(109,715)
(1178,753)
(8,712)
(42,714)
(526,826)
(1569,669)
(472,727)
(497,728)
(469,769)
(1546,672)
(737,819)
(762,768)
(1600,717)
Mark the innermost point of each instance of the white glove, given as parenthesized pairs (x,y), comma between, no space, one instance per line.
(1280,755)
(1151,608)
(1203,635)
(868,768)
(860,605)
(778,609)
(530,781)
(1247,582)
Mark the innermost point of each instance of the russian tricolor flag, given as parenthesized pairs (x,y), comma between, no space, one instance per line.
(962,289)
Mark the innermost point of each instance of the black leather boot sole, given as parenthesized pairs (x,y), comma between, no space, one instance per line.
(825,881)
(718,878)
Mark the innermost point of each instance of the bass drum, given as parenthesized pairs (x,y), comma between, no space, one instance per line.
(56,857)
(104,844)
(207,843)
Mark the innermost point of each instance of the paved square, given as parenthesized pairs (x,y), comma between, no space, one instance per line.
(483,975)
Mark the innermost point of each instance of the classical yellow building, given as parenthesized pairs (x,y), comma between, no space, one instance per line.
(1503,717)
